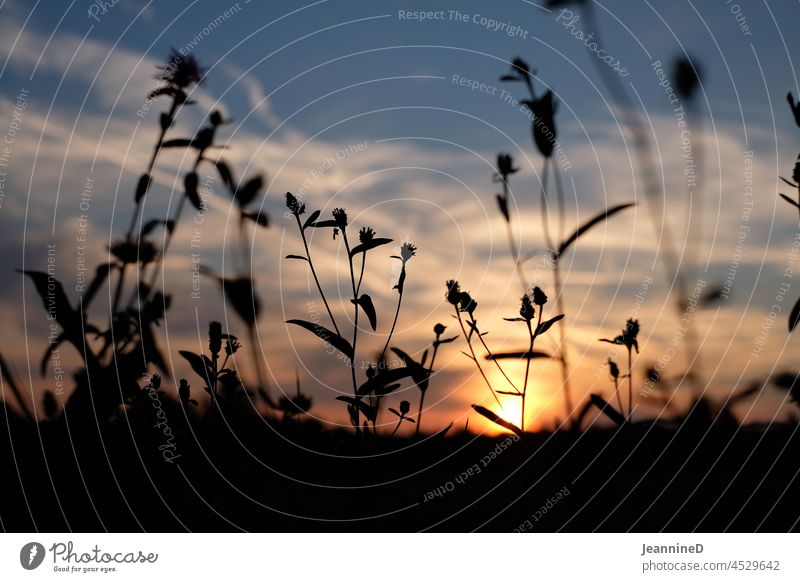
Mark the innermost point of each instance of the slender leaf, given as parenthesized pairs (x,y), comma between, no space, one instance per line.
(142,186)
(607,409)
(246,192)
(177,143)
(296,257)
(365,302)
(790,201)
(327,336)
(546,325)
(225,173)
(794,316)
(190,183)
(605,215)
(368,411)
(521,355)
(486,413)
(369,245)
(310,221)
(198,365)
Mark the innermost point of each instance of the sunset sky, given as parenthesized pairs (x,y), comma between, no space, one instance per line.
(359,105)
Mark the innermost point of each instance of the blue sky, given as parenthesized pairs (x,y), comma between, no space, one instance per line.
(306,83)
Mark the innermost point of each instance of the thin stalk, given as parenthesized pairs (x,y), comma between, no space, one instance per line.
(630,384)
(399,422)
(562,340)
(528,366)
(152,163)
(489,352)
(512,243)
(474,357)
(619,398)
(394,324)
(314,274)
(355,313)
(422,392)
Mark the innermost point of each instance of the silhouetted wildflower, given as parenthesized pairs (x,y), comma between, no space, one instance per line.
(294,205)
(438,329)
(613,369)
(526,310)
(407,251)
(539,297)
(185,393)
(544,125)
(453,292)
(686,76)
(340,216)
(466,303)
(232,345)
(182,71)
(366,234)
(128,252)
(505,166)
(214,337)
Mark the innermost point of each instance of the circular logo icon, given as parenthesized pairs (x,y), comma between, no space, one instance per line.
(31,555)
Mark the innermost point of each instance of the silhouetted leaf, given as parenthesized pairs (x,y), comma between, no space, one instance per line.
(509,78)
(794,316)
(55,301)
(100,276)
(246,192)
(525,354)
(368,411)
(546,325)
(790,201)
(711,295)
(225,173)
(297,257)
(142,186)
(792,184)
(260,218)
(325,224)
(177,143)
(503,205)
(198,365)
(365,301)
(310,221)
(508,393)
(369,245)
(190,187)
(608,213)
(485,412)
(607,409)
(326,335)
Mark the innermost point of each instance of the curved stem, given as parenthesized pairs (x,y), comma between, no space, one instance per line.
(314,274)
(489,352)
(355,312)
(512,243)
(619,398)
(394,324)
(630,384)
(474,357)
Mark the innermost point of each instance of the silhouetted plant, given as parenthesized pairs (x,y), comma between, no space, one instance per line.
(438,330)
(531,308)
(613,372)
(405,407)
(360,301)
(220,380)
(629,339)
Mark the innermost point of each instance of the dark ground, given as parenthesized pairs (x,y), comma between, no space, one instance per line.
(256,476)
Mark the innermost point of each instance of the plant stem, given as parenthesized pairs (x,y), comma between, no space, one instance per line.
(489,352)
(619,398)
(630,384)
(314,274)
(512,243)
(422,392)
(394,324)
(474,357)
(528,366)
(355,315)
